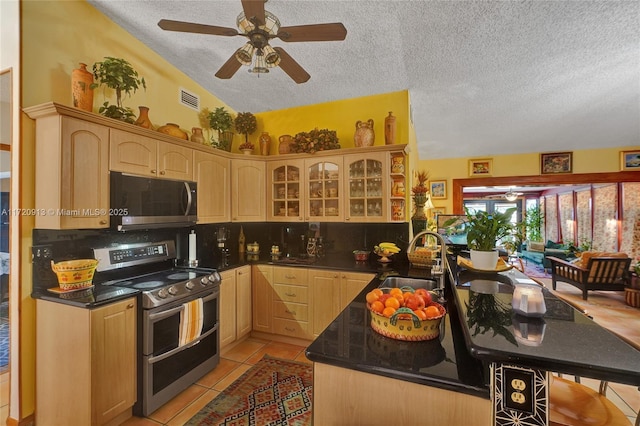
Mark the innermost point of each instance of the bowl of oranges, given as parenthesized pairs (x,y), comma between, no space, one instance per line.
(405,313)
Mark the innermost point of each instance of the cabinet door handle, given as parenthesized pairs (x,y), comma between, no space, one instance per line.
(103,222)
(335,276)
(162,172)
(130,305)
(154,171)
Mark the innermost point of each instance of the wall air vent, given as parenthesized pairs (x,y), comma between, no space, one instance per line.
(189,99)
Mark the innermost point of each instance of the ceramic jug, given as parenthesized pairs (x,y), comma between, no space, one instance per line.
(143,118)
(364,135)
(265,143)
(81,80)
(285,142)
(196,135)
(173,130)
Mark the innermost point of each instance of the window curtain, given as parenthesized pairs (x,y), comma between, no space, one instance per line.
(551,218)
(583,215)
(630,243)
(543,225)
(605,215)
(565,205)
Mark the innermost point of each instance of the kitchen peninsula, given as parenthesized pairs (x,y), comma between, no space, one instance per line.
(361,377)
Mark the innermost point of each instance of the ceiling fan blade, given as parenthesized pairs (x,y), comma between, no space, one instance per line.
(229,68)
(254,9)
(313,32)
(191,27)
(291,67)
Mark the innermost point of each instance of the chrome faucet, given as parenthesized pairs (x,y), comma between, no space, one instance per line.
(437,270)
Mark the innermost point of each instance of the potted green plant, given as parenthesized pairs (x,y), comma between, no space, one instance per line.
(246,124)
(221,121)
(484,230)
(119,75)
(533,222)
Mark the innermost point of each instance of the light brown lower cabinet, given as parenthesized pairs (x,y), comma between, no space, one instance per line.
(235,304)
(348,397)
(85,363)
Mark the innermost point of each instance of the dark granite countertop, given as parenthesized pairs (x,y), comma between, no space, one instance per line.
(350,342)
(93,297)
(563,340)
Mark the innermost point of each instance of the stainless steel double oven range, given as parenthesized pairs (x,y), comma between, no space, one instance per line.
(166,364)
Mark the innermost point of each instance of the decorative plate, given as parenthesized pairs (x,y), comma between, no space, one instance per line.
(501,266)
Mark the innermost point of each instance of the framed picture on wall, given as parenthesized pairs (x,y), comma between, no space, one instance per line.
(437,211)
(438,189)
(556,162)
(630,160)
(482,167)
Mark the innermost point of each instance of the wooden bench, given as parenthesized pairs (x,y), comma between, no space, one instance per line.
(601,273)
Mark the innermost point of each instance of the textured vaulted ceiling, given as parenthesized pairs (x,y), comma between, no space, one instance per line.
(484,77)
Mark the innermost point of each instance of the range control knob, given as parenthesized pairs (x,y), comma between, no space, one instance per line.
(215,277)
(204,280)
(162,293)
(173,291)
(189,285)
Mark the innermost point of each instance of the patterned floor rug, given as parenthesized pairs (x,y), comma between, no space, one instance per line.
(273,392)
(535,270)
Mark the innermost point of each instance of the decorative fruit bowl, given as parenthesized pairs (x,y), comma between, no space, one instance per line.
(385,251)
(75,274)
(414,319)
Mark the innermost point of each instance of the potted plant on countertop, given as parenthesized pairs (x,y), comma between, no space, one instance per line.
(221,121)
(119,75)
(632,291)
(484,230)
(246,124)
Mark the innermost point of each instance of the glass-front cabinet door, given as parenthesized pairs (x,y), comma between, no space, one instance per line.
(285,191)
(324,185)
(366,193)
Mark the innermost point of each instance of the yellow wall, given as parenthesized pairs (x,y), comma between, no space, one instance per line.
(584,161)
(340,116)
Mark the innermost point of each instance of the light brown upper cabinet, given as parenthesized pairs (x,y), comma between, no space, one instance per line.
(248,187)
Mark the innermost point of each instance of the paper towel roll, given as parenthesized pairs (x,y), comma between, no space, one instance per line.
(192,246)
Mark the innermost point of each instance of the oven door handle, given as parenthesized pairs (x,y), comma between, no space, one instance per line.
(172,352)
(164,314)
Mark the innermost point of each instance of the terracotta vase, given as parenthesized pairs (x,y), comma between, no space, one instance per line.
(285,144)
(265,143)
(173,129)
(81,81)
(143,118)
(196,135)
(390,129)
(364,135)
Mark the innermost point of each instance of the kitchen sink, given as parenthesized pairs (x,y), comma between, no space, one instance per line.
(415,283)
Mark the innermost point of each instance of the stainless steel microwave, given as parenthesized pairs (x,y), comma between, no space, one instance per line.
(139,202)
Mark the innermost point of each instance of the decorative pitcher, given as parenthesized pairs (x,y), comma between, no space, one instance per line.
(196,135)
(364,135)
(81,80)
(285,144)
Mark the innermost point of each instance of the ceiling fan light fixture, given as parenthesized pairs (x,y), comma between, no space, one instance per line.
(244,25)
(244,55)
(511,196)
(260,66)
(271,57)
(272,23)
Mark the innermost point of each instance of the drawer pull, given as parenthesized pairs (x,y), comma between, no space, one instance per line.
(290,329)
(290,294)
(290,312)
(290,277)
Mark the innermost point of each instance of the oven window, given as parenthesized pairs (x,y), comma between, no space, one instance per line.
(169,370)
(166,332)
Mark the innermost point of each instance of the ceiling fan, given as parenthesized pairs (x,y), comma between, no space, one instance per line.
(260,26)
(510,195)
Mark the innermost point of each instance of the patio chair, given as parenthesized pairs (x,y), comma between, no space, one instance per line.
(606,273)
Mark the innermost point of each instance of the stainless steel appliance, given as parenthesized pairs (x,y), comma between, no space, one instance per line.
(166,364)
(143,203)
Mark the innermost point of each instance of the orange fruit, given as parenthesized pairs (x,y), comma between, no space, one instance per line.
(392,302)
(432,311)
(421,314)
(395,291)
(406,295)
(388,311)
(377,306)
(377,291)
(372,297)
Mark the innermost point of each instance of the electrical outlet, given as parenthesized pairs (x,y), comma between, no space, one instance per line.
(517,392)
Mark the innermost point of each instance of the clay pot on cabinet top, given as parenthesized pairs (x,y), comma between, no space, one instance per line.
(173,129)
(265,143)
(390,129)
(285,144)
(81,90)
(364,135)
(143,118)
(196,135)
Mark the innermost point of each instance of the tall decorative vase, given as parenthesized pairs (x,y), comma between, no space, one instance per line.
(364,135)
(390,129)
(81,81)
(143,118)
(196,135)
(419,218)
(226,140)
(265,143)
